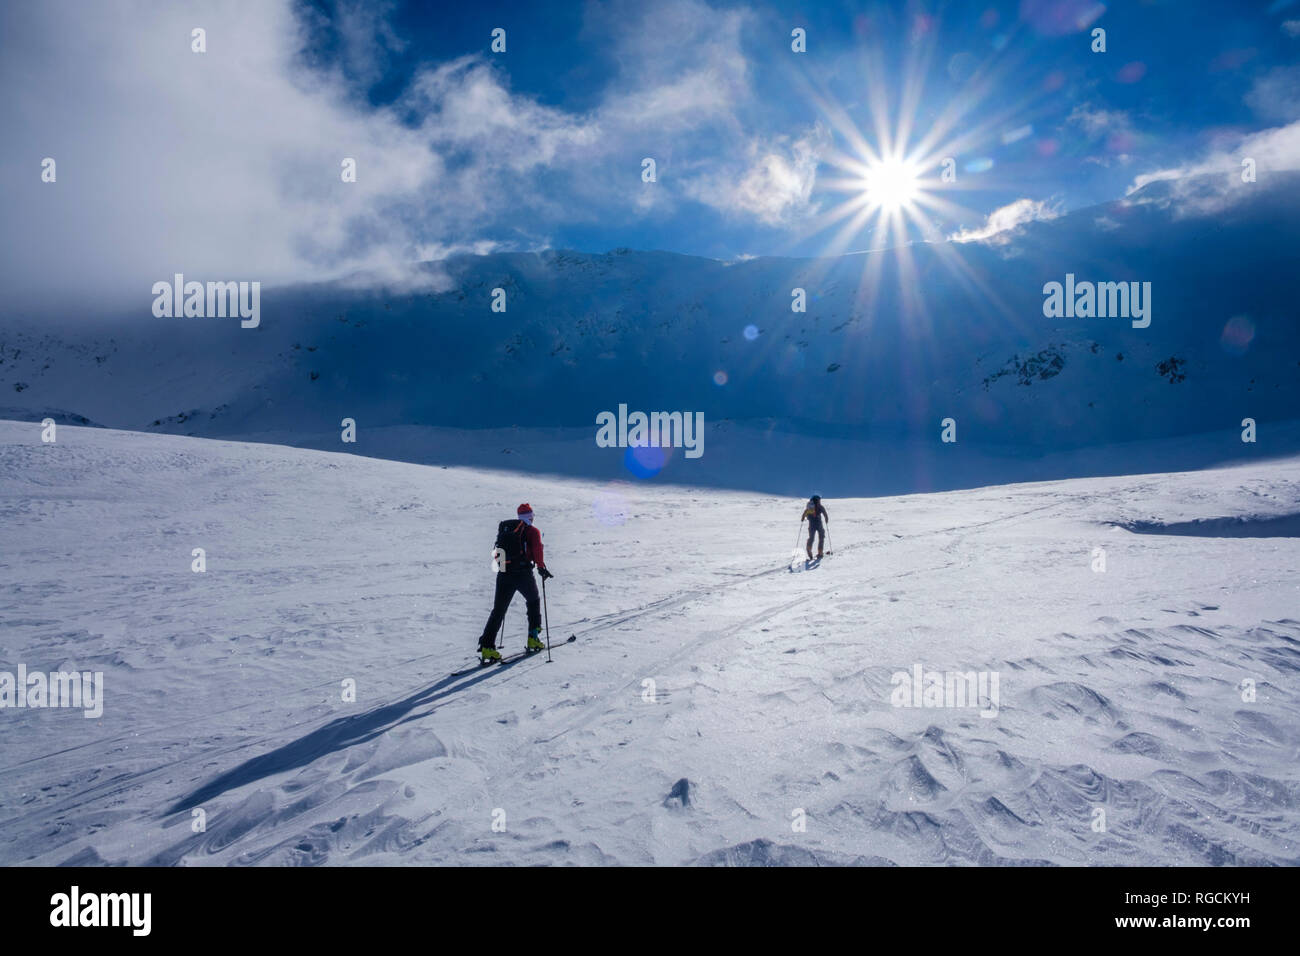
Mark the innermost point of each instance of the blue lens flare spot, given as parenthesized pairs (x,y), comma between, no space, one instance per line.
(645,462)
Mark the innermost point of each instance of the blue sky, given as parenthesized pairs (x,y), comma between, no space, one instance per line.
(1052,121)
(227,162)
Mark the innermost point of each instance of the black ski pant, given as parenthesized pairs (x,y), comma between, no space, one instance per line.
(507,584)
(820,532)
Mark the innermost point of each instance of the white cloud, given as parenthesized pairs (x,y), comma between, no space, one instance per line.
(366,38)
(1291,28)
(1276,94)
(680,64)
(1214,181)
(226,164)
(1097,122)
(1007,218)
(774,185)
(466,104)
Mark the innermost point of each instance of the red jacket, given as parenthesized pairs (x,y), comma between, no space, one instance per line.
(533,545)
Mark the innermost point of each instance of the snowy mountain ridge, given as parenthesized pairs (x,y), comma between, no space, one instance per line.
(882,354)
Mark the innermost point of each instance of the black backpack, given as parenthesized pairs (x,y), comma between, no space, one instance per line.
(510,539)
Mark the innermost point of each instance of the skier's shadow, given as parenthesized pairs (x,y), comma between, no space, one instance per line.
(336,735)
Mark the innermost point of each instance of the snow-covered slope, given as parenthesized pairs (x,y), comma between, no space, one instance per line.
(874,359)
(1118,691)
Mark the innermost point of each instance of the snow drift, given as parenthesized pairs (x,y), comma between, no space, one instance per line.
(715,709)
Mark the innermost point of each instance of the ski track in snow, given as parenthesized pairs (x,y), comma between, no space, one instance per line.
(1119,691)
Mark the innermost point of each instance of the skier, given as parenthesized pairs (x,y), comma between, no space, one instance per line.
(519,547)
(815,514)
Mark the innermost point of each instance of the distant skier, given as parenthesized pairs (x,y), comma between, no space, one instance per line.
(815,514)
(518,548)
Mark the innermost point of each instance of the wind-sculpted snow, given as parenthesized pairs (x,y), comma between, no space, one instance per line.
(1245,526)
(715,709)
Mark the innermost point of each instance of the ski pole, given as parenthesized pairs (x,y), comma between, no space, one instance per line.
(547,617)
(829,549)
(798,534)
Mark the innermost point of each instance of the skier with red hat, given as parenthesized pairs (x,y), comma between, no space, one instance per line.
(518,549)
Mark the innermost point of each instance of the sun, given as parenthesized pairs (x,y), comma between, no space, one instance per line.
(900,182)
(892,184)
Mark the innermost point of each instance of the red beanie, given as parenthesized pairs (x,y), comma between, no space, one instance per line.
(524,509)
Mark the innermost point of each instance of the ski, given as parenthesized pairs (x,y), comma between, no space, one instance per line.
(511,658)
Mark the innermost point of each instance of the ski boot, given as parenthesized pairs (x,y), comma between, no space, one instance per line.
(535,640)
(488,655)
